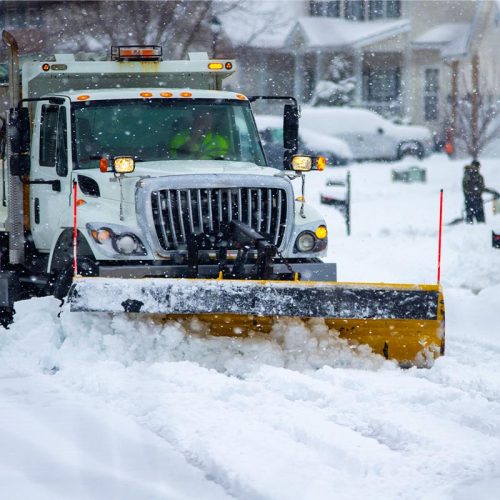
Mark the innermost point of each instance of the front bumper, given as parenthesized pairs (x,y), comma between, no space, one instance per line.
(308,271)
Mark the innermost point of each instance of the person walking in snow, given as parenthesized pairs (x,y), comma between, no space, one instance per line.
(473,188)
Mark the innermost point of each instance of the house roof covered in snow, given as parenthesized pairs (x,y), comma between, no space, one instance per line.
(324,32)
(450,38)
(265,26)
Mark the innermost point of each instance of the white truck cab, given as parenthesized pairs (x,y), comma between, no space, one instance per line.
(168,168)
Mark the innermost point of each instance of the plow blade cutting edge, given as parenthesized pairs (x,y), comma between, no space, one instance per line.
(401,322)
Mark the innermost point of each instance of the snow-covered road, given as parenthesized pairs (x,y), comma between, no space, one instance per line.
(98,407)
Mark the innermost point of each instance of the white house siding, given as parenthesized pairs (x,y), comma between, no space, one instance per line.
(424,14)
(422,60)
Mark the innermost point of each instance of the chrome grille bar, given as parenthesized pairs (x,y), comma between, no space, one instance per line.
(259,209)
(249,192)
(219,200)
(173,230)
(278,219)
(269,210)
(180,217)
(240,206)
(162,220)
(229,205)
(200,213)
(190,210)
(210,218)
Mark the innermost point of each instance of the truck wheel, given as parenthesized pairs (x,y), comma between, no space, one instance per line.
(62,264)
(7,316)
(64,277)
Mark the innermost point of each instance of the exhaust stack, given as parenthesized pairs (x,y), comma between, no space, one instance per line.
(15,220)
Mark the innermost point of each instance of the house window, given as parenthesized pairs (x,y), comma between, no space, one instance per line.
(431,94)
(376,9)
(355,10)
(382,85)
(333,9)
(324,8)
(393,8)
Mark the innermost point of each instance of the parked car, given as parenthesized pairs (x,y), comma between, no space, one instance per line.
(369,135)
(313,143)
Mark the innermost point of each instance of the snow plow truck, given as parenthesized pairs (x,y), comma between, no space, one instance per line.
(137,185)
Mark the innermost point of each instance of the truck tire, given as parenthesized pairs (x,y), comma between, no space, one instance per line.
(7,316)
(62,264)
(64,277)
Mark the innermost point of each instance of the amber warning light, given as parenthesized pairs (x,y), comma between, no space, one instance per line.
(136,53)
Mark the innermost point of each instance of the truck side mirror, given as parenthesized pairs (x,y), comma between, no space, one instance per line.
(19,139)
(290,134)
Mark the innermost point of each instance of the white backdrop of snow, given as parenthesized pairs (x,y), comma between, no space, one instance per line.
(94,406)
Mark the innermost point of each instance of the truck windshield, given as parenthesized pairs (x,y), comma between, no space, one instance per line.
(161,129)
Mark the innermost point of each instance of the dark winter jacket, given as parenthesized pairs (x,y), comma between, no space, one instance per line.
(472,183)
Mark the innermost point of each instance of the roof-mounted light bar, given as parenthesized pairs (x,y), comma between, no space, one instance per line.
(136,53)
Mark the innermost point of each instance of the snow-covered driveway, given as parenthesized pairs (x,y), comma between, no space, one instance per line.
(99,407)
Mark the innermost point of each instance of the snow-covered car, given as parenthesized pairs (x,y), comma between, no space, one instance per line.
(369,135)
(311,142)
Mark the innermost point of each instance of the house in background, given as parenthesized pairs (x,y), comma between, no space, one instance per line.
(407,55)
(411,59)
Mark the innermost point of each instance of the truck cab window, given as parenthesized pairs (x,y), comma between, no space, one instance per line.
(159,130)
(48,135)
(62,144)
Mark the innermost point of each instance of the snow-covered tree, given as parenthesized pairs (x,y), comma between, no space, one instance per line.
(337,89)
(177,26)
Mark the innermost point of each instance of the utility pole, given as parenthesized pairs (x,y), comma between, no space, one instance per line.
(476,98)
(454,105)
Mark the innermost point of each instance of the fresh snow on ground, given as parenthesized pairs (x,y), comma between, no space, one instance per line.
(100,407)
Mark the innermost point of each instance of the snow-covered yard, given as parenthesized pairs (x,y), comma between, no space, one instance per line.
(95,407)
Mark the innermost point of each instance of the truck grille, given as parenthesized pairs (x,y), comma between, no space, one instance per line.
(178,213)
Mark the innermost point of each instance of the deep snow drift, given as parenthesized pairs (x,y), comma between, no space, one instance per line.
(95,406)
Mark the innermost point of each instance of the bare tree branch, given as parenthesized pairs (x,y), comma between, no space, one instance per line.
(475,137)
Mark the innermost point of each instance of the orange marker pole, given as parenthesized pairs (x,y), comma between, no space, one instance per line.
(440,235)
(75,230)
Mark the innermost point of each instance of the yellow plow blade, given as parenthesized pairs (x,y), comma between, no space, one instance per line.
(399,321)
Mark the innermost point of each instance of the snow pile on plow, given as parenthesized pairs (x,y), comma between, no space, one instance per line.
(400,322)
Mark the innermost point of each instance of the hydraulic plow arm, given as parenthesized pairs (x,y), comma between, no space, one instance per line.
(401,322)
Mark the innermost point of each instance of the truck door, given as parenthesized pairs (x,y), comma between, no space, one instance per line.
(50,187)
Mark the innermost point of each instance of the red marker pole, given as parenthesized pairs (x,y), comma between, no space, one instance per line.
(440,235)
(75,230)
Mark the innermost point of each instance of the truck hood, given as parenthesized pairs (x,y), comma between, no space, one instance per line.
(109,185)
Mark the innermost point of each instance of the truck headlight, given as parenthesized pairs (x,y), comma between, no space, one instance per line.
(126,244)
(115,241)
(305,242)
